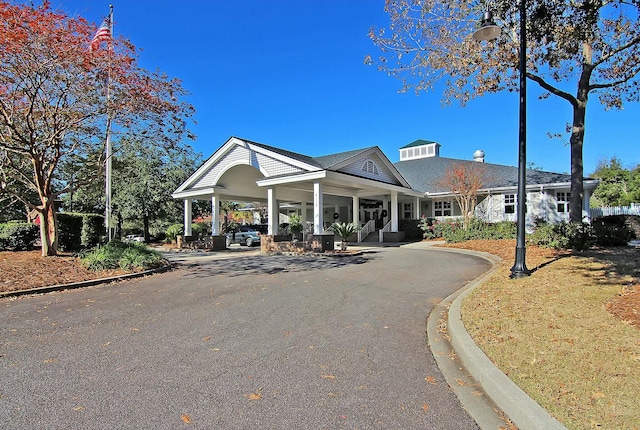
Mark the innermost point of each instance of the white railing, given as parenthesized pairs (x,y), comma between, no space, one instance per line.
(634,209)
(366,229)
(383,230)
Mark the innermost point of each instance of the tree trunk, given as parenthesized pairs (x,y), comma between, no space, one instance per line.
(577,169)
(145,225)
(49,231)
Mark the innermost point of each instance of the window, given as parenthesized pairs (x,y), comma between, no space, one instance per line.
(509,203)
(407,209)
(442,208)
(563,202)
(369,166)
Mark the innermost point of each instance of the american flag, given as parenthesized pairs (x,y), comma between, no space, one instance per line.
(102,35)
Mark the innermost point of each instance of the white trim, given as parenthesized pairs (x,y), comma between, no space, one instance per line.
(231,143)
(383,158)
(239,163)
(268,182)
(199,192)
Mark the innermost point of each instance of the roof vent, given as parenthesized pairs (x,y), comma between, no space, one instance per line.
(478,156)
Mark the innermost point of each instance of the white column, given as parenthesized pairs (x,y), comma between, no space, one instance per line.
(318,209)
(187,217)
(356,210)
(215,215)
(586,209)
(394,211)
(303,215)
(272,210)
(416,209)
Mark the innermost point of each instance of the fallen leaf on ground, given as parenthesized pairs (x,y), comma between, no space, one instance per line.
(430,379)
(186,419)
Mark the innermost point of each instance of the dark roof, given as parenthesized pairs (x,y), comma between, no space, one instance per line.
(328,161)
(323,162)
(423,174)
(290,154)
(419,142)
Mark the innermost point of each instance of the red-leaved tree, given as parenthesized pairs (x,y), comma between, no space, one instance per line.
(465,180)
(54,107)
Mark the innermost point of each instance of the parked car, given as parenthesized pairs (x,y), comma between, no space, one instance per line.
(244,236)
(134,238)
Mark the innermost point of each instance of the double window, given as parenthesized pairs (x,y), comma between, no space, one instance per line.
(509,203)
(563,202)
(442,208)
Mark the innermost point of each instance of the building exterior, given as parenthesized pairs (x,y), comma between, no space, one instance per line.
(363,186)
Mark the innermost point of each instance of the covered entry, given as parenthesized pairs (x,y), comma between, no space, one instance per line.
(336,187)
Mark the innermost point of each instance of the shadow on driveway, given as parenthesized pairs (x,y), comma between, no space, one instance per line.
(269,264)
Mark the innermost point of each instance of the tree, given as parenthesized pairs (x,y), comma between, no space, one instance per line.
(54,110)
(146,177)
(465,180)
(574,49)
(618,186)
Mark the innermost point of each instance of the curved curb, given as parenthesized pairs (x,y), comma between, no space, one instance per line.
(521,409)
(88,283)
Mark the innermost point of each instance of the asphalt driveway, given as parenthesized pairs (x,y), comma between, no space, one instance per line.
(275,342)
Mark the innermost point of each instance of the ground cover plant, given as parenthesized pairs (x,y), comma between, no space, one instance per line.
(569,335)
(126,256)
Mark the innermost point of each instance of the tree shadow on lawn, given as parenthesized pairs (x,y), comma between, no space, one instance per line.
(268,264)
(620,262)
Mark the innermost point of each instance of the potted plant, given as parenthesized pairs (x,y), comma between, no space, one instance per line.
(295,225)
(345,231)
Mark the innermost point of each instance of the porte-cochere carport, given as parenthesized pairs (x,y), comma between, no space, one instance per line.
(320,189)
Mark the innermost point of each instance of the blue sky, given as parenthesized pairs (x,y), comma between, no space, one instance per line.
(291,74)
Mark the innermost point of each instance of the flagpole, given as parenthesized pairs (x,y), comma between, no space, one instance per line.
(107,217)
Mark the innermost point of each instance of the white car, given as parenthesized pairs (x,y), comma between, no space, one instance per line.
(134,238)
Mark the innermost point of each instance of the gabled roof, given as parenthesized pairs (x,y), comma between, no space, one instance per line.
(294,155)
(423,174)
(331,160)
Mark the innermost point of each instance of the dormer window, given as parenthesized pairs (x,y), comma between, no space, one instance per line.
(369,166)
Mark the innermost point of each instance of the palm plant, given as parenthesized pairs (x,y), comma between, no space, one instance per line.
(345,231)
(295,225)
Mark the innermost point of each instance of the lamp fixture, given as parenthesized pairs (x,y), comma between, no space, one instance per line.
(488,30)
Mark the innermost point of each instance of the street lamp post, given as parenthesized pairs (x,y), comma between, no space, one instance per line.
(488,30)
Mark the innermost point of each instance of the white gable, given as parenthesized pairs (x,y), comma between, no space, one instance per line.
(370,166)
(267,165)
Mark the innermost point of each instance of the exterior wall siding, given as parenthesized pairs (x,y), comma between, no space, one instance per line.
(384,174)
(240,155)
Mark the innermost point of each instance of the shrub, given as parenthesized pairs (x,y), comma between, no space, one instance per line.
(92,230)
(548,235)
(128,256)
(564,235)
(428,228)
(199,229)
(173,231)
(580,235)
(453,231)
(411,228)
(69,231)
(18,236)
(612,231)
